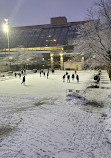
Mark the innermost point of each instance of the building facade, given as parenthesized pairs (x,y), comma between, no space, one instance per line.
(53,37)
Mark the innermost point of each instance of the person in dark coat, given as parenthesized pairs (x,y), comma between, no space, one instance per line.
(40,73)
(15,74)
(52,70)
(63,78)
(77,78)
(47,75)
(72,76)
(98,79)
(68,78)
(66,73)
(44,73)
(99,72)
(23,80)
(22,72)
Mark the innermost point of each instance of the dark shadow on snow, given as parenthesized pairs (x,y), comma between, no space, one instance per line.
(5,130)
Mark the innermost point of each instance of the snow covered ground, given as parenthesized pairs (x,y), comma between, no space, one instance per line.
(40,120)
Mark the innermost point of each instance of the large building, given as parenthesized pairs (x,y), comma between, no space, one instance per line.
(54,38)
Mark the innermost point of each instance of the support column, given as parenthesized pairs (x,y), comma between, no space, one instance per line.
(61,61)
(52,60)
(82,60)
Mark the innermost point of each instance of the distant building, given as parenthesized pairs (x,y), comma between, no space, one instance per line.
(54,37)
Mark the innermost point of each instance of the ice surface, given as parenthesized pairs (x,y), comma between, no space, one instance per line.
(38,120)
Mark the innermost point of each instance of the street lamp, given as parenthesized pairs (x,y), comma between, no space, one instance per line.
(6,30)
(27,63)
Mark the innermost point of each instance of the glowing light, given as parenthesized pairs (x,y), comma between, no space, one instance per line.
(6,30)
(5,25)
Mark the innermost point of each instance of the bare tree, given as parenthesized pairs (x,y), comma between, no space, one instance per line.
(95,36)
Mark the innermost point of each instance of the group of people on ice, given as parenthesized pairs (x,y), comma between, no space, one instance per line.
(43,72)
(47,74)
(23,72)
(74,75)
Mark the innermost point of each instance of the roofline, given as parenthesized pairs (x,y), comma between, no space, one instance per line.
(80,22)
(28,27)
(48,25)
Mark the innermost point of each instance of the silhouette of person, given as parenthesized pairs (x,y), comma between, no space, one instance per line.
(68,78)
(15,74)
(77,78)
(23,80)
(72,76)
(63,78)
(47,75)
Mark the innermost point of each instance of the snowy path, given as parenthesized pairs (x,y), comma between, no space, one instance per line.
(50,126)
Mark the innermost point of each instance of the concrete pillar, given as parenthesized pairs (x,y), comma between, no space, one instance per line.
(82,60)
(52,60)
(61,61)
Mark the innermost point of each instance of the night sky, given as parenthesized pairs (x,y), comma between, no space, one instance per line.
(36,12)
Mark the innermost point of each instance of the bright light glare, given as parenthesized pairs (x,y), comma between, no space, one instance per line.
(5,27)
(6,20)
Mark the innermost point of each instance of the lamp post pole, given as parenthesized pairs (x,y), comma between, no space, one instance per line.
(8,40)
